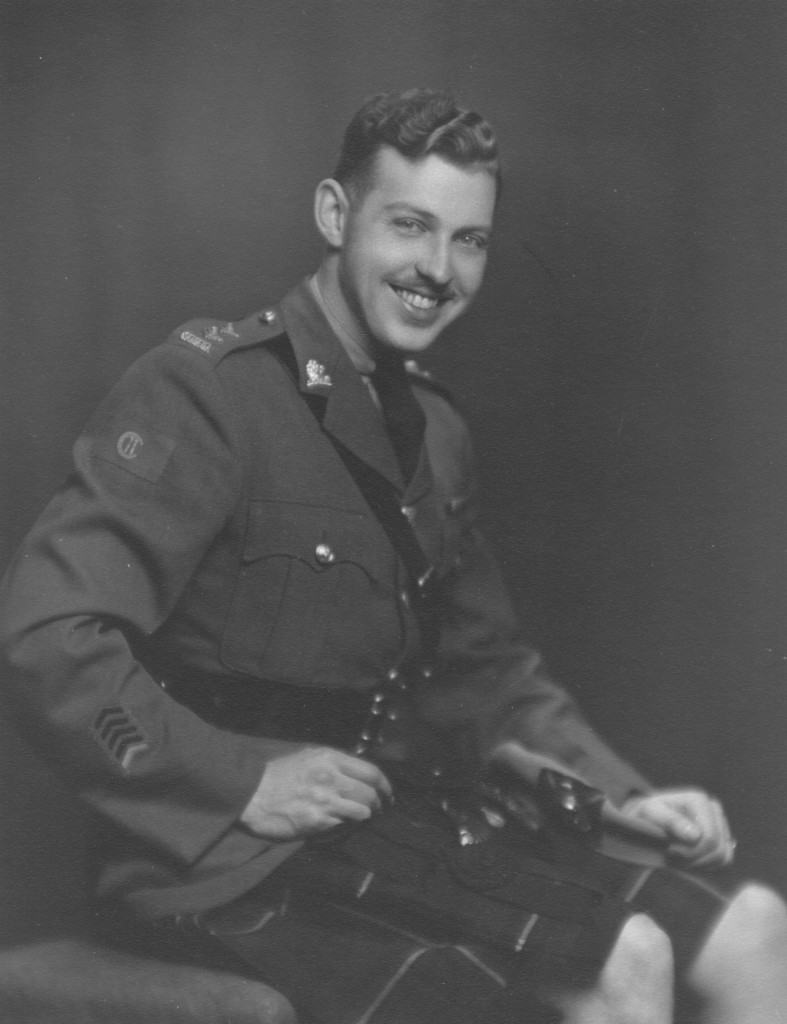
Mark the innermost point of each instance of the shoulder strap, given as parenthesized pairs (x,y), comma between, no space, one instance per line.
(216,339)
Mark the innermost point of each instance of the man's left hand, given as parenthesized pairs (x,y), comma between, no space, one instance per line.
(694,822)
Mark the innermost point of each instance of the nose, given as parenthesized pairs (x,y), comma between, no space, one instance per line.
(434,261)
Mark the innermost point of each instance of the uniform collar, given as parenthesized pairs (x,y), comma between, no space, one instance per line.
(360,359)
(325,370)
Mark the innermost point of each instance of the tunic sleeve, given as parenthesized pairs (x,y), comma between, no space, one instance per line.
(489,684)
(155,477)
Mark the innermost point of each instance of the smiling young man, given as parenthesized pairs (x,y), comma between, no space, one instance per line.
(407,255)
(260,631)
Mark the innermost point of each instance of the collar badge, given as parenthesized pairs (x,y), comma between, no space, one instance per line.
(316,376)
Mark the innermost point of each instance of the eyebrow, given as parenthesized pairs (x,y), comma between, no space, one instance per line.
(427,215)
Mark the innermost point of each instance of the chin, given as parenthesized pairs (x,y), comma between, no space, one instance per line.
(409,337)
(409,342)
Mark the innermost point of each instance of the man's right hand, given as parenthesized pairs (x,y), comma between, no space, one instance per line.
(313,789)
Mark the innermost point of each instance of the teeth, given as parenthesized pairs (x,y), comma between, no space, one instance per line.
(419,301)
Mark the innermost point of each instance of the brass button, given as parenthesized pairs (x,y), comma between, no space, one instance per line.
(392,675)
(408,512)
(324,554)
(267,316)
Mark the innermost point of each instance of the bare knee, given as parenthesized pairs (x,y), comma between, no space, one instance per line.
(751,932)
(761,914)
(755,921)
(741,972)
(641,958)
(635,985)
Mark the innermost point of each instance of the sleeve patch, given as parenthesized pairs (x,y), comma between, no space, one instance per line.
(117,733)
(138,450)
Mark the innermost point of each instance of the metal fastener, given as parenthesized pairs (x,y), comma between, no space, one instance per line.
(324,554)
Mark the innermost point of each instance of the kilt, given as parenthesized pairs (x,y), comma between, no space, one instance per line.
(396,923)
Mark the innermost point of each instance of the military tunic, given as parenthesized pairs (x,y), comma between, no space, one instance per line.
(209,531)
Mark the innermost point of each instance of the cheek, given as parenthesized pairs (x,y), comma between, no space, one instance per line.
(358,268)
(382,253)
(472,275)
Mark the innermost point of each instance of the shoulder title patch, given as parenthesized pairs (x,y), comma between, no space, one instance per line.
(217,338)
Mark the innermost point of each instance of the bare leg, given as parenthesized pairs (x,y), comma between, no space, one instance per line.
(635,986)
(741,973)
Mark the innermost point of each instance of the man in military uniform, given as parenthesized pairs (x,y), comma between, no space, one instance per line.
(259,630)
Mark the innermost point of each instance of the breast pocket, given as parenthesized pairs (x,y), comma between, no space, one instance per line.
(303,568)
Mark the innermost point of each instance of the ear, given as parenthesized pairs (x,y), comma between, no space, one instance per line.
(330,211)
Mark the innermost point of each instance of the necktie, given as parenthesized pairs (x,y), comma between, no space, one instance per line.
(404,418)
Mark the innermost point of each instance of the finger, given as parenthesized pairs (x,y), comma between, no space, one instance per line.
(671,818)
(720,847)
(313,817)
(699,812)
(715,847)
(321,824)
(718,855)
(365,771)
(359,793)
(713,822)
(707,815)
(696,822)
(722,825)
(351,810)
(729,841)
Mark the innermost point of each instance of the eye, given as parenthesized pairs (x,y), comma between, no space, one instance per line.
(474,241)
(409,225)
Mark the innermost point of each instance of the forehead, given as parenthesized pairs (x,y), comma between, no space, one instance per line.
(461,196)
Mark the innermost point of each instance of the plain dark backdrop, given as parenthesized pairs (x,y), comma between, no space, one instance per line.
(623,370)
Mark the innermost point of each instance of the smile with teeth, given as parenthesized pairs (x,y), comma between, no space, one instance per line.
(415,299)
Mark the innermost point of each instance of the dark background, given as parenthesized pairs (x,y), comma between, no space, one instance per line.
(623,370)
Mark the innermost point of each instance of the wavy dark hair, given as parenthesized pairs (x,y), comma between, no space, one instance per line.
(416,123)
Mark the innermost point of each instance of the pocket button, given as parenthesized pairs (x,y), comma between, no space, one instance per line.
(324,554)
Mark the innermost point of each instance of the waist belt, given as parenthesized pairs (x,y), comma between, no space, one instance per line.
(380,722)
(277,710)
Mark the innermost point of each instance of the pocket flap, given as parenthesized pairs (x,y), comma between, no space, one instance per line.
(319,536)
